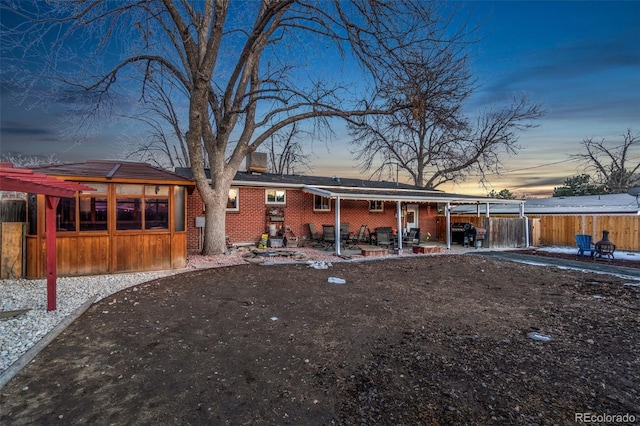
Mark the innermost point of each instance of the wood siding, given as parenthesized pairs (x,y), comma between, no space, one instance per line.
(110,251)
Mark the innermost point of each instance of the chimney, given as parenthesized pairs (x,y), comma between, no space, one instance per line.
(257,162)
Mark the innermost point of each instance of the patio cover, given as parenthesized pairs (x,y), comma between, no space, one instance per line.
(400,195)
(25,180)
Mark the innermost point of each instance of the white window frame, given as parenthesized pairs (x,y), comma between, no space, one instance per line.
(372,203)
(328,204)
(237,207)
(275,195)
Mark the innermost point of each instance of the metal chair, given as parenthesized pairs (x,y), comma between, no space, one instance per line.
(384,239)
(315,236)
(353,242)
(328,236)
(410,240)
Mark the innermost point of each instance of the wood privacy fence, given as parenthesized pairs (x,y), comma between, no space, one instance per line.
(547,230)
(624,231)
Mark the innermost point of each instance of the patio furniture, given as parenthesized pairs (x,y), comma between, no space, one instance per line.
(354,241)
(584,244)
(315,236)
(384,239)
(410,239)
(328,236)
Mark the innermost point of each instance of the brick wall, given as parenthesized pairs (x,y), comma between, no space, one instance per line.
(250,221)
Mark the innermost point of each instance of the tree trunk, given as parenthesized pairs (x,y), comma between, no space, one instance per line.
(215,218)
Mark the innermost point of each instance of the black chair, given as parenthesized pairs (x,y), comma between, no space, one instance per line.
(328,236)
(384,239)
(410,240)
(354,241)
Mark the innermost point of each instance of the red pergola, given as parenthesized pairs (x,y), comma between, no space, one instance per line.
(25,180)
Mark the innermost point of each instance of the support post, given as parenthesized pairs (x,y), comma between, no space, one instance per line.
(399,225)
(51,204)
(337,227)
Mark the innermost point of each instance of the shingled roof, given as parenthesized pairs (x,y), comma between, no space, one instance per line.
(113,171)
(349,188)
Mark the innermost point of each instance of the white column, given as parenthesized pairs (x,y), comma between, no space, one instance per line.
(399,224)
(336,228)
(447,215)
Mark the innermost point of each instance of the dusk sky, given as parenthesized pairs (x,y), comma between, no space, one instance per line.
(579,60)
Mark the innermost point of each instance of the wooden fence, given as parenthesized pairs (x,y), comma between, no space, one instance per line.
(547,230)
(501,232)
(624,231)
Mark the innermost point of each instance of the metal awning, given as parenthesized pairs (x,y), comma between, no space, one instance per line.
(400,194)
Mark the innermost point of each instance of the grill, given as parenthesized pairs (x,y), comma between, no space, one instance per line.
(457,232)
(466,233)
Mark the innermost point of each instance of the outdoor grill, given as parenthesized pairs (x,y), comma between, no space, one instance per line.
(468,234)
(457,232)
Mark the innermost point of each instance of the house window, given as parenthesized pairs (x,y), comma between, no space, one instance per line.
(321,203)
(232,201)
(376,205)
(276,196)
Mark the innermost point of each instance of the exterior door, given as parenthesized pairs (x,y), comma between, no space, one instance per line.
(412,216)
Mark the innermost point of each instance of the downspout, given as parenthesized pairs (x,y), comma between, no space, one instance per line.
(336,228)
(526,225)
(399,224)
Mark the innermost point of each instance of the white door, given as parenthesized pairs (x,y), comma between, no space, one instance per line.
(411,217)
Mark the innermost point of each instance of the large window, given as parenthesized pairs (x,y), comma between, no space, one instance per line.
(276,196)
(66,214)
(233,201)
(133,200)
(93,208)
(321,203)
(178,206)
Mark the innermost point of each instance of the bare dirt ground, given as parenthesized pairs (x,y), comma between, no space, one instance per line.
(439,340)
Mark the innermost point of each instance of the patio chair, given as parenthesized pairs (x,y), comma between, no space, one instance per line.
(354,241)
(585,245)
(328,236)
(410,240)
(384,239)
(315,236)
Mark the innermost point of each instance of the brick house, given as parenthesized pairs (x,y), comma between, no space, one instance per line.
(263,202)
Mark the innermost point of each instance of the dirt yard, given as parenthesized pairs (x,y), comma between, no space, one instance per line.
(441,340)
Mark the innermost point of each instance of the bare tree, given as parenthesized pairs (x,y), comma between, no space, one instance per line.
(433,142)
(617,164)
(166,148)
(285,153)
(245,70)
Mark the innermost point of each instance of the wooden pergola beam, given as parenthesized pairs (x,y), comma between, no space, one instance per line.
(25,180)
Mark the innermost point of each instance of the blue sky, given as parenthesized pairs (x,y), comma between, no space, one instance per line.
(579,60)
